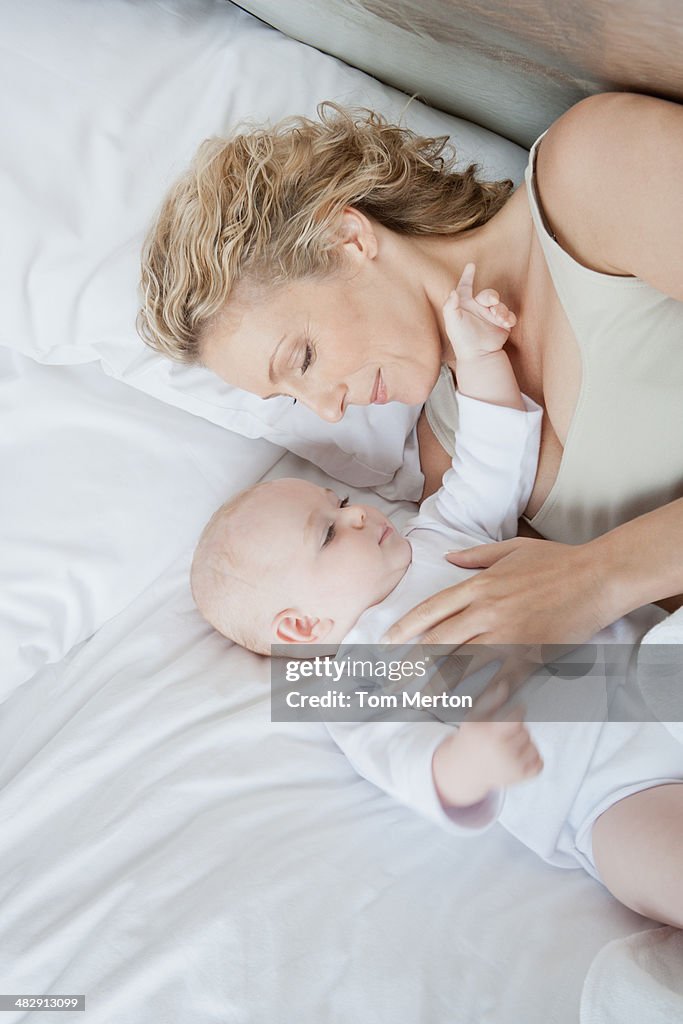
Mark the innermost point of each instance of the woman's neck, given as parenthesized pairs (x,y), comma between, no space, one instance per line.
(500,249)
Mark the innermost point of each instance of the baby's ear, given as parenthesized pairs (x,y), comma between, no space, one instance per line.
(291,627)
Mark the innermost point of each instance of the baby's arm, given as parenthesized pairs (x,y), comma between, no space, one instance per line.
(398,757)
(481,757)
(478,327)
(452,777)
(492,473)
(498,437)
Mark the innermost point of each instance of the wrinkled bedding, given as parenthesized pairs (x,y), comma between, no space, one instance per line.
(164,848)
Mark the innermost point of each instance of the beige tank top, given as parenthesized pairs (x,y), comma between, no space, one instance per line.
(624,450)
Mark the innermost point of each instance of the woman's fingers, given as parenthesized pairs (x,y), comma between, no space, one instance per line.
(422,620)
(489,702)
(514,671)
(515,715)
(484,555)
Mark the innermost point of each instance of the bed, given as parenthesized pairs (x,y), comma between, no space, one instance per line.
(167,850)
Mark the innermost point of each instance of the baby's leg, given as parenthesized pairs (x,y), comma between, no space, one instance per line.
(638,851)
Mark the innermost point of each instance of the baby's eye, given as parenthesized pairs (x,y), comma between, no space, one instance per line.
(329,536)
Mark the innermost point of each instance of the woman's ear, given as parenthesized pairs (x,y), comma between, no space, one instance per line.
(357,233)
(290,627)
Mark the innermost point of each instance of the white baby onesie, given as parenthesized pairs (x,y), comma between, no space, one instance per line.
(588,765)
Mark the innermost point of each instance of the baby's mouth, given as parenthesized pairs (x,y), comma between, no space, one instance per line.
(388,529)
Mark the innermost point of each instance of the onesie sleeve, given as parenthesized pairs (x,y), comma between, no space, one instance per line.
(397,757)
(493,470)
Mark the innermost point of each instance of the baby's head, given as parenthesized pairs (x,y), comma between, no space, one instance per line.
(287,562)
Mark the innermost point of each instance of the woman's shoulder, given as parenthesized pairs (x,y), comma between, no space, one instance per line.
(608,175)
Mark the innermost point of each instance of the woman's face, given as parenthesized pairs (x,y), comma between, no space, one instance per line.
(355,338)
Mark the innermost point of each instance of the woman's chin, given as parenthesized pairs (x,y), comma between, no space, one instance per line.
(414,391)
(421,390)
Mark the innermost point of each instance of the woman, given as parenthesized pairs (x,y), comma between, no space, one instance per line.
(313,260)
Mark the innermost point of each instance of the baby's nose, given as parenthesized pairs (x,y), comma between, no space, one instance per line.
(357,516)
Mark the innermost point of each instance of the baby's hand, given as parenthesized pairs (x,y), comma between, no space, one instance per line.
(482,756)
(476,325)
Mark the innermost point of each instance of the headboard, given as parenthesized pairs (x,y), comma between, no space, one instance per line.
(509,65)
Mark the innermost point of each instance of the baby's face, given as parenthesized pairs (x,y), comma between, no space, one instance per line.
(330,560)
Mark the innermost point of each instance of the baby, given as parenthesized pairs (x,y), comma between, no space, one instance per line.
(289,563)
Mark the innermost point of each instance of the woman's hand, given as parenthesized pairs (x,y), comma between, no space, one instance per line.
(532,592)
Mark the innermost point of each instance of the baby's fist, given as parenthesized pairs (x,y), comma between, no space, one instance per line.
(483,756)
(476,325)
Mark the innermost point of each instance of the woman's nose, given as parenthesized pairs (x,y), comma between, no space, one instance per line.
(331,405)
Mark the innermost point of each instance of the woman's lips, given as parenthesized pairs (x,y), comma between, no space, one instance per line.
(379,392)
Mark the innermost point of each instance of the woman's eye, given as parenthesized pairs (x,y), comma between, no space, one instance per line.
(308,355)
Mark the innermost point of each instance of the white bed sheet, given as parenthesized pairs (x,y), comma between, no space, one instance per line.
(101,487)
(173,855)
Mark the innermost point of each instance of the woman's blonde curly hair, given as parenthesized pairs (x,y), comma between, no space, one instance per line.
(264,207)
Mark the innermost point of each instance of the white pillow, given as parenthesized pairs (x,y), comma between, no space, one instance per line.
(102,488)
(102,105)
